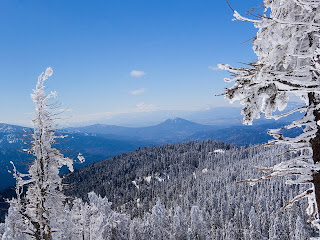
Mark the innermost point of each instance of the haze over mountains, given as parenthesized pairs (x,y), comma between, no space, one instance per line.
(225,116)
(100,141)
(209,116)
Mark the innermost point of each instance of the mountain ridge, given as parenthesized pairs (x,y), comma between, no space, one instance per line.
(98,142)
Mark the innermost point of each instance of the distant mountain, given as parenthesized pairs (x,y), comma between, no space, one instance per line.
(219,116)
(171,130)
(180,130)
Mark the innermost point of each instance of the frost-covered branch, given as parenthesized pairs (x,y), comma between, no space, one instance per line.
(287,46)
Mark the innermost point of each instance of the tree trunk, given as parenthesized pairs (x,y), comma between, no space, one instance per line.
(315,144)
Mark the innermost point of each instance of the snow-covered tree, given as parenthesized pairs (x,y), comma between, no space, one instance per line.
(104,223)
(134,232)
(42,209)
(198,225)
(44,198)
(179,224)
(14,226)
(230,232)
(160,222)
(255,229)
(276,231)
(287,46)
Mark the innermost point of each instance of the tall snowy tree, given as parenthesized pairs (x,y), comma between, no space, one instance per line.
(160,222)
(179,224)
(288,49)
(198,225)
(42,208)
(255,229)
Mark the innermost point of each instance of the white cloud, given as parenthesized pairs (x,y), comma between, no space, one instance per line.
(138,91)
(136,73)
(214,68)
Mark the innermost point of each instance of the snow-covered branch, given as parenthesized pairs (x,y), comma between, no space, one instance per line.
(287,46)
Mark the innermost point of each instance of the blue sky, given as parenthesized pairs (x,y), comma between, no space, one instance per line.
(119,57)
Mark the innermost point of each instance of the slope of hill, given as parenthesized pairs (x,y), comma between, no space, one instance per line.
(14,139)
(245,135)
(199,174)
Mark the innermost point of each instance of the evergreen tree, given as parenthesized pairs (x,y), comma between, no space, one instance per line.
(230,231)
(180,227)
(276,231)
(160,222)
(255,228)
(300,232)
(198,225)
(14,226)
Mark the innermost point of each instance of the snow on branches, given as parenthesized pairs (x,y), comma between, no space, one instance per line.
(43,135)
(287,46)
(42,209)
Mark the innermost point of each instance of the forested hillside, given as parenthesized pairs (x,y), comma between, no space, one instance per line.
(15,143)
(200,178)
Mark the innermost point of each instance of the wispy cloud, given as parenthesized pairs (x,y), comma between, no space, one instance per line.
(143,107)
(138,91)
(138,108)
(214,68)
(136,73)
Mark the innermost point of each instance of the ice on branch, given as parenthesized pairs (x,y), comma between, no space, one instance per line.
(287,46)
(49,72)
(81,158)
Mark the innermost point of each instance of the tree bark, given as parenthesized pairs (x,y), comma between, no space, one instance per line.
(315,144)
